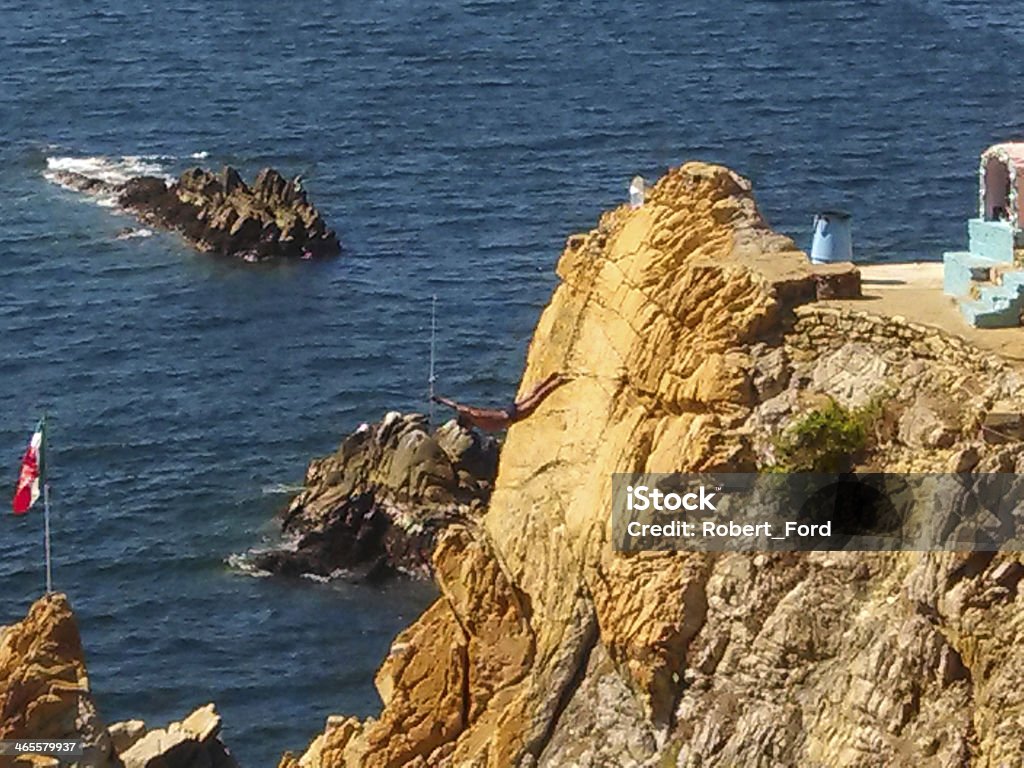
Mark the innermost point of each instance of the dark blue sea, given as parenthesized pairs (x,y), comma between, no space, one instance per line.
(454,147)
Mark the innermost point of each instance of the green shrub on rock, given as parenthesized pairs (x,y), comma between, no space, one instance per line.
(826,439)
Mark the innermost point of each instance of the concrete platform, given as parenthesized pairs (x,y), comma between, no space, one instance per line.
(915,291)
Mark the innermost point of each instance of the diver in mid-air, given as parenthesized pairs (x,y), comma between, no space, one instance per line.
(497,419)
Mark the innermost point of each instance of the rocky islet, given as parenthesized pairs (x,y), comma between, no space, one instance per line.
(221,214)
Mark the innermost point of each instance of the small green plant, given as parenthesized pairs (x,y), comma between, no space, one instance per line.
(827,439)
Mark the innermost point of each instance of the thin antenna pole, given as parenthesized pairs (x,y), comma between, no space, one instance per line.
(433,348)
(46,536)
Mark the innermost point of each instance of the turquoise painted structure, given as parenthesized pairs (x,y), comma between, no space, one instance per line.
(832,240)
(991,239)
(985,280)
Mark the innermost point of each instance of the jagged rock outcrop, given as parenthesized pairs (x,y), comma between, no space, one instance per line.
(220,213)
(192,743)
(688,329)
(45,694)
(44,687)
(375,506)
(81,183)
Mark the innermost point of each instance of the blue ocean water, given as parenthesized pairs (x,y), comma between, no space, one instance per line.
(454,146)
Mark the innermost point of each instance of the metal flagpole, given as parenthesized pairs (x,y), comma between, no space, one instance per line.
(433,343)
(43,456)
(46,535)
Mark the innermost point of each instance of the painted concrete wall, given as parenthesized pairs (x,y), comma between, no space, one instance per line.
(991,240)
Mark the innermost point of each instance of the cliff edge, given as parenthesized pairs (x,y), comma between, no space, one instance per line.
(688,328)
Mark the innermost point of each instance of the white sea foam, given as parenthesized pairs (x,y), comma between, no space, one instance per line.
(335,574)
(243,564)
(201,155)
(131,234)
(281,488)
(111,170)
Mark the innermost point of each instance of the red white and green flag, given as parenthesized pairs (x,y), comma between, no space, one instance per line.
(31,472)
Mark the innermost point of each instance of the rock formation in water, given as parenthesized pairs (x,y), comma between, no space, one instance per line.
(222,214)
(375,507)
(691,332)
(45,694)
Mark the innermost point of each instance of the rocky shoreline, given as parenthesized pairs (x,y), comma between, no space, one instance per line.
(45,695)
(375,507)
(698,340)
(220,213)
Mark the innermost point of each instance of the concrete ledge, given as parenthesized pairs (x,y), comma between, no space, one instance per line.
(987,314)
(912,293)
(960,269)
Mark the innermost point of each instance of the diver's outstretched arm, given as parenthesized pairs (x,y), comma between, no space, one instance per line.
(445,401)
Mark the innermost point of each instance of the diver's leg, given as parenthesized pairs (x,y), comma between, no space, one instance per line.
(530,403)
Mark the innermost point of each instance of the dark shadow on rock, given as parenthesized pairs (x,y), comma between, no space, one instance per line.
(856,507)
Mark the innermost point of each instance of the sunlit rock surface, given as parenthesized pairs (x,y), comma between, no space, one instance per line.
(688,328)
(45,694)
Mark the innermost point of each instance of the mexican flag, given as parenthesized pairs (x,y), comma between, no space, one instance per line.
(31,470)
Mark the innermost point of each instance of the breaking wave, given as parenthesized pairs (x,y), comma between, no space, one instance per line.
(112,170)
(339,573)
(242,563)
(131,234)
(278,489)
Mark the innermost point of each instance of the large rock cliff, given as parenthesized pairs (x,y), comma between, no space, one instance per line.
(686,326)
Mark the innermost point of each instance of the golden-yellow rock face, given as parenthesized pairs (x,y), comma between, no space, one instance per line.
(44,688)
(664,319)
(652,307)
(44,694)
(43,672)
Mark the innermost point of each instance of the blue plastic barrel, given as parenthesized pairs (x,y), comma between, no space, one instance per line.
(832,241)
